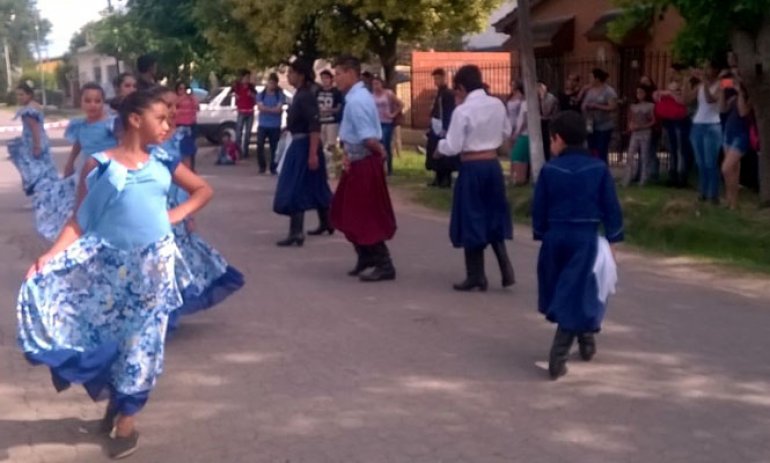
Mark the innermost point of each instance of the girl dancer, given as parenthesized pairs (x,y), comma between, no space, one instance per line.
(91,134)
(213,279)
(31,152)
(95,307)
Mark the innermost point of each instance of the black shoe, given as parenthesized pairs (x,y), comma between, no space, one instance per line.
(123,447)
(557,360)
(387,273)
(299,241)
(474,269)
(364,261)
(587,346)
(506,268)
(323,224)
(321,230)
(296,234)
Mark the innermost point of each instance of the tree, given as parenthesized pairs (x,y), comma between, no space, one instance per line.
(17,28)
(712,27)
(279,29)
(529,76)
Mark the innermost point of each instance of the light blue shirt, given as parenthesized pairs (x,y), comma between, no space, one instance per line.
(360,121)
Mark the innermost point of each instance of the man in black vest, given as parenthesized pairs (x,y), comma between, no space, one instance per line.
(441,115)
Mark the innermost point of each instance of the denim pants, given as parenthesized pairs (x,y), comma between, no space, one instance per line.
(678,133)
(387,140)
(638,160)
(599,144)
(272,135)
(706,141)
(243,132)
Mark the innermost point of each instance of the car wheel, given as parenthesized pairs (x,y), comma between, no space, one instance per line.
(225,128)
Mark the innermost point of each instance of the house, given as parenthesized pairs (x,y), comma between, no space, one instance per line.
(490,39)
(93,66)
(573,36)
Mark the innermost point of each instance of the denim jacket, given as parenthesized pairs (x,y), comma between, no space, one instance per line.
(575,188)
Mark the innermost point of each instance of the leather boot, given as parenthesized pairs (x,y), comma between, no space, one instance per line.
(296,231)
(506,268)
(587,346)
(323,224)
(383,265)
(557,360)
(474,268)
(364,260)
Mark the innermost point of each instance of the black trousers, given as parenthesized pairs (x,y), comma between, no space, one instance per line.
(271,135)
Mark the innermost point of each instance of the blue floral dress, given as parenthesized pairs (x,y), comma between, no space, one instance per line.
(32,169)
(97,313)
(213,279)
(55,198)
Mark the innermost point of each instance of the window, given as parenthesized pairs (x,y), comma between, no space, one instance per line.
(112,72)
(98,74)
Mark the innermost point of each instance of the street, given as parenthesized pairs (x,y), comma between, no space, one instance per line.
(306,364)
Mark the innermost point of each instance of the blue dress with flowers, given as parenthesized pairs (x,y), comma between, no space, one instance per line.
(32,169)
(97,313)
(55,198)
(213,279)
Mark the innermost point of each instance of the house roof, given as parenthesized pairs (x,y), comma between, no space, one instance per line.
(506,24)
(556,33)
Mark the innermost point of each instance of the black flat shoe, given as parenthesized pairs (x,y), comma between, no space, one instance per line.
(123,447)
(587,346)
(470,285)
(378,274)
(321,230)
(291,241)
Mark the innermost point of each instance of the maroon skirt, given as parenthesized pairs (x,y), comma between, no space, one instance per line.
(361,207)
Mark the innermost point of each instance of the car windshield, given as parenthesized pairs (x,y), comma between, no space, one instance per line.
(213,94)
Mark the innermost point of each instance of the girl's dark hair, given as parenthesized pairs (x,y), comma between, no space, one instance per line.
(92,86)
(600,74)
(180,84)
(570,126)
(118,81)
(24,87)
(647,92)
(273,77)
(159,90)
(138,102)
(304,68)
(469,77)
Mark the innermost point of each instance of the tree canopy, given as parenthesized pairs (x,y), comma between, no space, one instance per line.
(17,25)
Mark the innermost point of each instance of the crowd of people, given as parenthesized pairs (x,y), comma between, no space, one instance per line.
(127,259)
(702,118)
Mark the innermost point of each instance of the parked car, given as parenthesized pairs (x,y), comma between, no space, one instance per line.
(218,114)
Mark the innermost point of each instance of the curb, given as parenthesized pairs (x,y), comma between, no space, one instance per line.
(46,126)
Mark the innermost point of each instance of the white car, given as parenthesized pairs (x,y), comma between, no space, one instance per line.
(218,114)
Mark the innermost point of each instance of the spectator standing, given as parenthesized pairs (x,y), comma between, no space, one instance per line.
(706,135)
(517,113)
(270,104)
(330,105)
(388,107)
(440,116)
(245,100)
(671,111)
(641,120)
(125,84)
(571,97)
(186,121)
(599,106)
(549,107)
(736,136)
(651,87)
(147,67)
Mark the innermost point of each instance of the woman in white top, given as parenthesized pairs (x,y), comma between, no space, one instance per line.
(706,134)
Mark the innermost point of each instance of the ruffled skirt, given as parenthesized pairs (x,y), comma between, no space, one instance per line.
(31,169)
(53,202)
(299,188)
(97,316)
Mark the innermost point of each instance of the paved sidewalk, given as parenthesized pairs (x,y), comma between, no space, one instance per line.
(307,365)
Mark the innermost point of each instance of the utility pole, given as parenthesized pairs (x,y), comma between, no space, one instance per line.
(7,51)
(40,59)
(529,76)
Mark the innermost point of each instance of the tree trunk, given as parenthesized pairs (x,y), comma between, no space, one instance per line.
(529,76)
(753,54)
(389,58)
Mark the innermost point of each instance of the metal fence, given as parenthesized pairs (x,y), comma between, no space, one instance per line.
(625,69)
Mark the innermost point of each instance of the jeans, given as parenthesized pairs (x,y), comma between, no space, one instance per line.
(638,162)
(387,140)
(243,132)
(599,144)
(272,135)
(706,141)
(678,133)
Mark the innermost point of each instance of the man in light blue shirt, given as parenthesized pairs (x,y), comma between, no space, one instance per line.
(361,208)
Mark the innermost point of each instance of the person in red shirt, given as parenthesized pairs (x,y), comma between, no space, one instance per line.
(245,100)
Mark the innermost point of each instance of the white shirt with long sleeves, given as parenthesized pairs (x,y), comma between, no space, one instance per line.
(480,123)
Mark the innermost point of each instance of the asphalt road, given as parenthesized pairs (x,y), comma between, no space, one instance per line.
(306,364)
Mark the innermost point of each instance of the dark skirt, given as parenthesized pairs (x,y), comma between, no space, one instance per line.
(361,208)
(299,188)
(567,287)
(481,214)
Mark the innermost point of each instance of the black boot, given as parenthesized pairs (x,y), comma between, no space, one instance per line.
(557,360)
(324,225)
(364,260)
(587,346)
(296,232)
(474,268)
(383,265)
(506,269)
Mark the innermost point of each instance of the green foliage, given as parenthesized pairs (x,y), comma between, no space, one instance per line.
(709,23)
(17,26)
